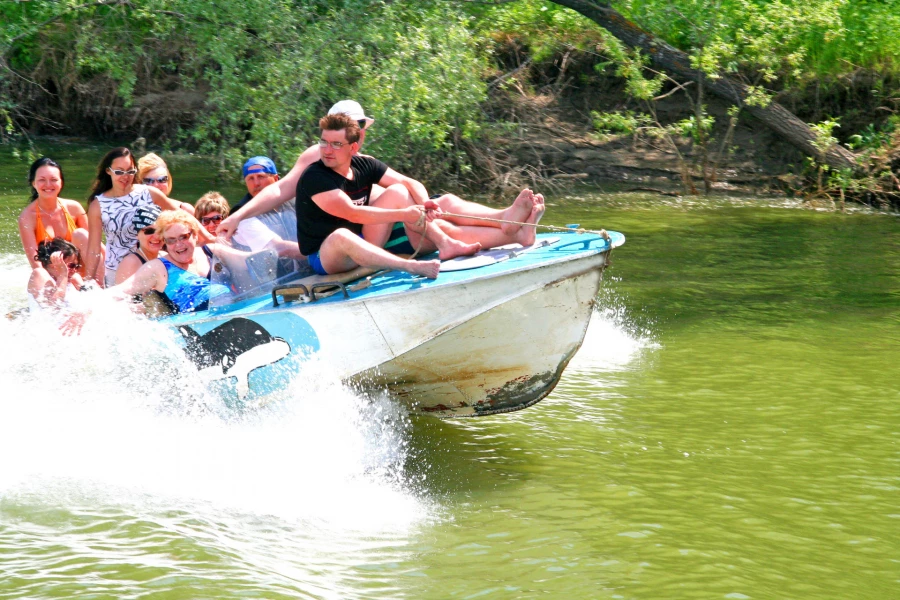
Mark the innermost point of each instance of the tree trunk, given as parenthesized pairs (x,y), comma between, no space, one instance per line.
(674,61)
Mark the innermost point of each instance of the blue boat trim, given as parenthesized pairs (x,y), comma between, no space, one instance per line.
(569,246)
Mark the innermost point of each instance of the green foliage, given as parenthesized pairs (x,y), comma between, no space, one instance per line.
(824,140)
(272,68)
(872,137)
(542,26)
(620,122)
(697,129)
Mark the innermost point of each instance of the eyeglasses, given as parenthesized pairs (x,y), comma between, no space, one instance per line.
(148,230)
(73,266)
(181,238)
(119,173)
(212,219)
(151,180)
(335,145)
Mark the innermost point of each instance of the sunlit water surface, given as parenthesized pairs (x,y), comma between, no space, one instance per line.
(730,429)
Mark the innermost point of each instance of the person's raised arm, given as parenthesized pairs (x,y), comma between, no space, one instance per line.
(26,233)
(95,232)
(166,203)
(272,196)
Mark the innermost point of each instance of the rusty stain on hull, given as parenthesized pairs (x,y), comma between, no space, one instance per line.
(518,394)
(500,361)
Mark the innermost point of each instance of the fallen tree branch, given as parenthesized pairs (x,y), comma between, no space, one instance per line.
(672,60)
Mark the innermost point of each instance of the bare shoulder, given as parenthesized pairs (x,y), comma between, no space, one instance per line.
(73,207)
(27,214)
(39,278)
(131,260)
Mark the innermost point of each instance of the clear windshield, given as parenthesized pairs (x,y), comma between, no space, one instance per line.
(250,274)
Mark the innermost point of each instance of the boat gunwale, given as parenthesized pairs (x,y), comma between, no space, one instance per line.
(249,309)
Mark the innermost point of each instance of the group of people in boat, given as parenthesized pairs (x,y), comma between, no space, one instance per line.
(336,209)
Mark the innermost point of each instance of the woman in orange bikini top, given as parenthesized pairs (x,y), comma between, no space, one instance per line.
(40,232)
(48,215)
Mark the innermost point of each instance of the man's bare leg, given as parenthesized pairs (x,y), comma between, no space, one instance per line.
(491,237)
(518,211)
(343,251)
(394,196)
(397,196)
(436,238)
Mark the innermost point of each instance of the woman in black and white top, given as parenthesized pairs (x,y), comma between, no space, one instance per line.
(112,203)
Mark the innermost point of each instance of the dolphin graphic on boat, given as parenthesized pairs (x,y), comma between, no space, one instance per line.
(233,349)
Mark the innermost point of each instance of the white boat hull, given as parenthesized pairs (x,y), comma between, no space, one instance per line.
(506,358)
(492,343)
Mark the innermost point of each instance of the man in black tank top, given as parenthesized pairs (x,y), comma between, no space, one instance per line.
(339,227)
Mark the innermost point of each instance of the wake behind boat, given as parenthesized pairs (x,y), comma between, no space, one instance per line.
(493,333)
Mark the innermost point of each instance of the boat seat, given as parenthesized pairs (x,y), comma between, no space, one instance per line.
(295,290)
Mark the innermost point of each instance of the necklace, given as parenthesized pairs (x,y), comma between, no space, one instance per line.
(49,212)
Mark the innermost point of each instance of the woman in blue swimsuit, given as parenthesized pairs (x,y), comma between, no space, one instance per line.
(183,274)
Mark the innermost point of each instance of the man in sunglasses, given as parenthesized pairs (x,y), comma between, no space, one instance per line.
(277,192)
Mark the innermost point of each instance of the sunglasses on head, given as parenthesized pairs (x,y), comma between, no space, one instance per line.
(212,219)
(119,172)
(151,180)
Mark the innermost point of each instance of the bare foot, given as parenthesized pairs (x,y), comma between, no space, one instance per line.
(426,268)
(527,235)
(451,248)
(519,211)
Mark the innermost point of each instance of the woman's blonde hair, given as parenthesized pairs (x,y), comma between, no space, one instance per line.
(150,162)
(211,202)
(168,218)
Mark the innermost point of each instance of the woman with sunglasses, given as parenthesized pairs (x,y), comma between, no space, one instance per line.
(149,246)
(152,170)
(210,209)
(57,274)
(112,203)
(49,216)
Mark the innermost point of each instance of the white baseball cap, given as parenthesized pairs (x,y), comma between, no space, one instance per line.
(353,109)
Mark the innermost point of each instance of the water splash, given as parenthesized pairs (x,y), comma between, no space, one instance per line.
(609,344)
(118,414)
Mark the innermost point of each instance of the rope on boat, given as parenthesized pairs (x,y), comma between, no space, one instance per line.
(602,233)
(420,222)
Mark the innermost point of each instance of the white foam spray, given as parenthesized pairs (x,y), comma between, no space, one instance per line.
(118,414)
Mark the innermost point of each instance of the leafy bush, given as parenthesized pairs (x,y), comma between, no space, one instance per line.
(620,122)
(270,69)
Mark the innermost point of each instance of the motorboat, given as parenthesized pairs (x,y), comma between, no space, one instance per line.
(492,334)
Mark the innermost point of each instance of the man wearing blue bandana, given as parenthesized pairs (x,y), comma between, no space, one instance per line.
(259,173)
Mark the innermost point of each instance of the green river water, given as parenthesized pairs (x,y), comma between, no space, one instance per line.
(730,429)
